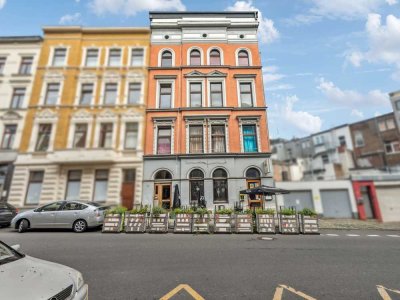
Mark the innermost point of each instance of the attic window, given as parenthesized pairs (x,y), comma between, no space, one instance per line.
(166,36)
(204,35)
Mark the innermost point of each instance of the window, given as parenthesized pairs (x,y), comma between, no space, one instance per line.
(34,187)
(74,206)
(135,89)
(249,138)
(218,138)
(26,65)
(243,58)
(92,57)
(131,135)
(8,136)
(359,139)
(110,93)
(392,147)
(106,133)
(390,124)
(80,136)
(195,58)
(196,179)
(52,92)
(166,59)
(196,139)
(100,186)
(397,102)
(165,95)
(137,57)
(163,175)
(195,94)
(164,140)
(342,140)
(246,94)
(253,173)
(59,57)
(18,98)
(319,140)
(325,159)
(52,207)
(382,126)
(114,58)
(220,185)
(215,58)
(86,94)
(216,97)
(43,141)
(2,64)
(73,185)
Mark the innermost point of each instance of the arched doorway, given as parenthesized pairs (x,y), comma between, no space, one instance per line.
(196,181)
(220,186)
(253,179)
(163,188)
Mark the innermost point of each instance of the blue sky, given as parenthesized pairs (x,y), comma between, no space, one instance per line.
(325,62)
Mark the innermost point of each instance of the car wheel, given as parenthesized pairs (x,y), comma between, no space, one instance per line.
(23,226)
(79,226)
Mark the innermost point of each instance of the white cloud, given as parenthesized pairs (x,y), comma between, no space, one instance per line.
(2,3)
(391,2)
(302,120)
(70,19)
(356,113)
(279,87)
(352,98)
(266,29)
(131,7)
(271,76)
(383,43)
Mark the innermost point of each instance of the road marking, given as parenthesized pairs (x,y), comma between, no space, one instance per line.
(373,235)
(383,292)
(332,234)
(393,235)
(279,292)
(180,287)
(352,234)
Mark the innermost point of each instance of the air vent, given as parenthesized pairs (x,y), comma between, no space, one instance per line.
(241,36)
(166,36)
(204,35)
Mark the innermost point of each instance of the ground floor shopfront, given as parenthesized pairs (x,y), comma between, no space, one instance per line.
(117,183)
(217,180)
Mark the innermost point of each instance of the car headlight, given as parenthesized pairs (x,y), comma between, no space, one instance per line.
(79,281)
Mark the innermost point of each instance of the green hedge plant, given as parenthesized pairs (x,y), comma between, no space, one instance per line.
(224,211)
(183,210)
(139,211)
(201,211)
(267,211)
(156,211)
(119,210)
(287,212)
(308,212)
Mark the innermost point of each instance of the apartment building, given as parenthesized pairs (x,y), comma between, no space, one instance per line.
(395,100)
(18,59)
(83,135)
(206,123)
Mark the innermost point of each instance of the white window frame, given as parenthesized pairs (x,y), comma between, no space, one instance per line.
(358,133)
(254,122)
(221,52)
(107,80)
(17,136)
(79,90)
(130,56)
(212,122)
(237,57)
(156,125)
(44,92)
(35,132)
(106,62)
(139,120)
(392,146)
(160,55)
(188,55)
(161,81)
(253,89)
(84,54)
(128,81)
(203,91)
(51,56)
(216,80)
(106,119)
(202,123)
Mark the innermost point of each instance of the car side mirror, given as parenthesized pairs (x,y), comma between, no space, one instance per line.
(16,247)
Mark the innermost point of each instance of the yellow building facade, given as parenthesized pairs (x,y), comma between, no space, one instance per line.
(84,130)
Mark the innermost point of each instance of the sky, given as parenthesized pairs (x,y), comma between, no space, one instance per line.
(325,62)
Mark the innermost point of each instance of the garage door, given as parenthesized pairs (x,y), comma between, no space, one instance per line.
(298,199)
(336,204)
(388,198)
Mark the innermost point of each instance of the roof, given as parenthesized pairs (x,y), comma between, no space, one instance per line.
(373,118)
(175,14)
(78,29)
(21,39)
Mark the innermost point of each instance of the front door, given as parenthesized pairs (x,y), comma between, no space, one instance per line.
(128,188)
(367,202)
(163,193)
(254,200)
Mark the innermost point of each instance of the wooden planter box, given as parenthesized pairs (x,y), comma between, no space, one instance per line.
(265,223)
(288,224)
(159,223)
(112,223)
(244,223)
(222,223)
(200,223)
(183,223)
(308,224)
(135,223)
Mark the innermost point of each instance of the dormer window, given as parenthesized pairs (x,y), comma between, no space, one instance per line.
(243,58)
(166,59)
(215,58)
(195,58)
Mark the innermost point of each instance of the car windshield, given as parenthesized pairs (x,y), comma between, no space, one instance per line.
(7,254)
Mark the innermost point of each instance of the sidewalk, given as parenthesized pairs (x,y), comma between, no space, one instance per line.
(357,224)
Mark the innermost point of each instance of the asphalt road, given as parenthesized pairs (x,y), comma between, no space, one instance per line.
(344,265)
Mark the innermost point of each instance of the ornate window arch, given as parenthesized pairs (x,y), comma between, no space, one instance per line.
(243,57)
(166,58)
(162,175)
(215,57)
(195,56)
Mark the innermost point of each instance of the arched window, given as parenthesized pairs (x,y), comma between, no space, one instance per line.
(195,58)
(215,57)
(220,185)
(166,59)
(196,179)
(163,175)
(253,173)
(243,58)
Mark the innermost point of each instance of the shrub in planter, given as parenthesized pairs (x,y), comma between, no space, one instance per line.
(244,221)
(135,220)
(222,220)
(183,220)
(113,219)
(288,221)
(159,220)
(201,220)
(265,220)
(308,220)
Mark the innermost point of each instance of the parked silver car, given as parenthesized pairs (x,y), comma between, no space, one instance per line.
(24,277)
(76,215)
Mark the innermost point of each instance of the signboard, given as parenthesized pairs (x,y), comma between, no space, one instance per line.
(201,223)
(135,223)
(244,223)
(183,223)
(309,225)
(222,223)
(112,223)
(159,223)
(288,224)
(265,223)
